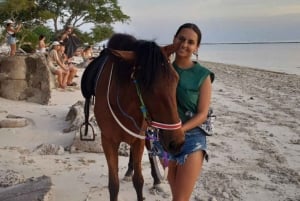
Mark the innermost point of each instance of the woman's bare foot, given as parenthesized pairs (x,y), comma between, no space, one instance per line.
(63,86)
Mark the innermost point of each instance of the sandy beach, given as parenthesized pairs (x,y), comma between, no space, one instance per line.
(254,153)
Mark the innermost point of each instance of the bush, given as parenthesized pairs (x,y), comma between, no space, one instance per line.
(28,48)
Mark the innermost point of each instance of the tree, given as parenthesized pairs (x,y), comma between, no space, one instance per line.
(101,33)
(100,14)
(80,12)
(17,10)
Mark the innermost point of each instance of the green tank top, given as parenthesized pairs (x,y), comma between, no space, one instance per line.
(190,81)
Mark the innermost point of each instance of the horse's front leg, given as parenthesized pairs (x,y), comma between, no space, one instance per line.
(111,155)
(137,178)
(156,180)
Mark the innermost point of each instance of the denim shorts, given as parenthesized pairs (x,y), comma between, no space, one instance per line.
(11,40)
(195,139)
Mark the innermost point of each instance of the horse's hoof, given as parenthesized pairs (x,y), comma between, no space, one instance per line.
(158,189)
(127,178)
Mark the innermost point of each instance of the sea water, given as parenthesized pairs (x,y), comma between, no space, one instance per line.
(279,57)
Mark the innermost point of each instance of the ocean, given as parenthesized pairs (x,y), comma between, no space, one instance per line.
(279,57)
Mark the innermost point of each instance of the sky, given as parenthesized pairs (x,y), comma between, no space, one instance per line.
(219,20)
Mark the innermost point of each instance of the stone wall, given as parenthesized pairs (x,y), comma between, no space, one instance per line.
(26,78)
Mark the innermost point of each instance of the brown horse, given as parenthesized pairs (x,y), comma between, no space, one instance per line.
(136,88)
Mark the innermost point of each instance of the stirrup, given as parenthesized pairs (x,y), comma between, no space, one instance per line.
(84,136)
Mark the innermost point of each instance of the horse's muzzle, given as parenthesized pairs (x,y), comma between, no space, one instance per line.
(173,142)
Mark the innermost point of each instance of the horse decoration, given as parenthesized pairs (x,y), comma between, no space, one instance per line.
(135,88)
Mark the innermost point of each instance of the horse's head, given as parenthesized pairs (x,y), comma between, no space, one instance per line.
(157,80)
(161,102)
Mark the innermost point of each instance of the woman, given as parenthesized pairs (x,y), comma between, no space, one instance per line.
(57,67)
(87,55)
(70,40)
(42,44)
(193,97)
(68,62)
(11,36)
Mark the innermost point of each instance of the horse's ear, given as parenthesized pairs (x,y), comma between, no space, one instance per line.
(128,56)
(169,49)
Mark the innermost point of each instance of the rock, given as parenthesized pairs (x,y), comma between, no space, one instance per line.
(49,149)
(10,178)
(14,67)
(13,123)
(13,89)
(225,195)
(76,116)
(38,189)
(86,146)
(212,199)
(26,78)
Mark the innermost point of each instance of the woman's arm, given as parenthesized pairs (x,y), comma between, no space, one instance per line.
(203,106)
(18,27)
(14,30)
(60,62)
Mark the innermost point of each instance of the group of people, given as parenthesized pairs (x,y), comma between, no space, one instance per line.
(59,60)
(61,54)
(61,65)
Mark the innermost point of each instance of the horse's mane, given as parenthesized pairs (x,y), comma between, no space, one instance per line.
(150,62)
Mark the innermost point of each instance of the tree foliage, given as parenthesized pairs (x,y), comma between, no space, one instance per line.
(98,14)
(80,12)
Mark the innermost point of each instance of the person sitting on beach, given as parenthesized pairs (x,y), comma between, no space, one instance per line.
(42,44)
(87,55)
(56,66)
(71,66)
(11,36)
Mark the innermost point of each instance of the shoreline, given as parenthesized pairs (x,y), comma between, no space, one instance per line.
(254,153)
(210,63)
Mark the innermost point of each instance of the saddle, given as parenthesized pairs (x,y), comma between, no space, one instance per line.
(91,75)
(89,81)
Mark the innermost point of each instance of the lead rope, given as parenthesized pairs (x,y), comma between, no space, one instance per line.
(151,138)
(113,114)
(142,107)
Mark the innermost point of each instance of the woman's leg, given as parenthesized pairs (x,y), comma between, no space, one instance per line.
(65,77)
(182,178)
(13,48)
(73,71)
(59,74)
(172,176)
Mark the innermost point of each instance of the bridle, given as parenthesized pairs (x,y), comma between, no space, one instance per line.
(150,122)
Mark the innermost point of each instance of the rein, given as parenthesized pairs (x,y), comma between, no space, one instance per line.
(143,108)
(114,115)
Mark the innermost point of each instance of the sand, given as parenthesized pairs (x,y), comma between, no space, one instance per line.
(254,153)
